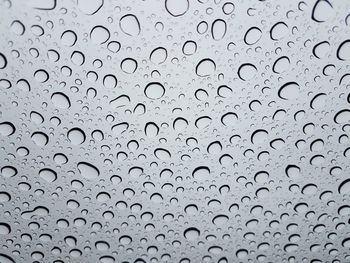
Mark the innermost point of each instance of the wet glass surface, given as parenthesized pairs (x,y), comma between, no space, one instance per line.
(174,131)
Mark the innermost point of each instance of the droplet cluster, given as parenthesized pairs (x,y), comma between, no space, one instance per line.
(180,131)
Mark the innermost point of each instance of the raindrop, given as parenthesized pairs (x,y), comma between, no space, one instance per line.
(3,61)
(342,116)
(76,136)
(120,128)
(201,173)
(343,51)
(322,11)
(41,75)
(40,139)
(99,35)
(69,38)
(128,65)
(205,67)
(88,170)
(177,7)
(42,4)
(154,90)
(344,187)
(204,122)
(292,171)
(229,119)
(159,55)
(281,65)
(259,136)
(151,129)
(218,29)
(7,128)
(321,49)
(130,25)
(60,100)
(4,197)
(220,220)
(189,48)
(247,71)
(23,85)
(289,91)
(110,81)
(17,27)
(90,7)
(8,171)
(279,31)
(252,35)
(48,175)
(318,101)
(5,229)
(162,154)
(6,259)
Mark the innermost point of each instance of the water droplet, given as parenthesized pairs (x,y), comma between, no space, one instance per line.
(128,65)
(205,67)
(218,29)
(69,38)
(322,11)
(3,61)
(247,71)
(154,90)
(60,100)
(159,55)
(88,170)
(130,25)
(191,233)
(252,35)
(201,173)
(7,128)
(48,175)
(99,35)
(177,7)
(90,7)
(289,91)
(343,51)
(76,136)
